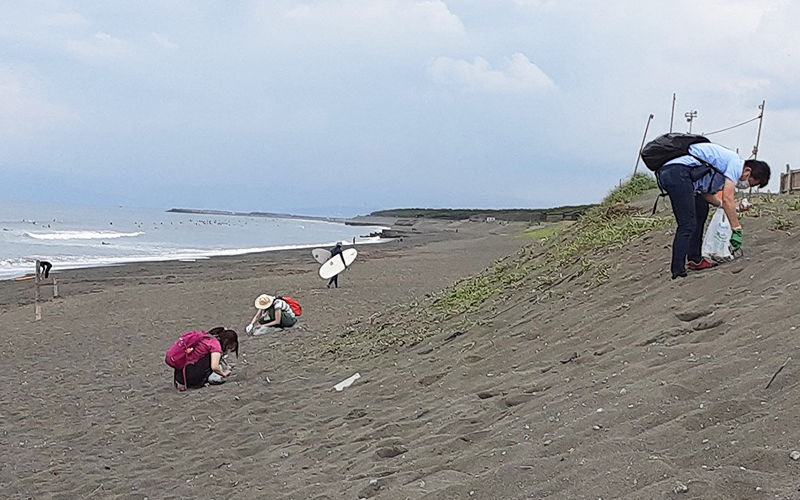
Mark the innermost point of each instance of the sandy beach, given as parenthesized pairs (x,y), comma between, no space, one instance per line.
(520,332)
(88,407)
(605,380)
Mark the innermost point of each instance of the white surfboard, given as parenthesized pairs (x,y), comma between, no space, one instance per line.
(321,255)
(335,264)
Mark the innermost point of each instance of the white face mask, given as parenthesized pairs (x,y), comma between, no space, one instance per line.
(745,184)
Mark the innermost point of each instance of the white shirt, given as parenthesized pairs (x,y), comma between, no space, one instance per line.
(283,306)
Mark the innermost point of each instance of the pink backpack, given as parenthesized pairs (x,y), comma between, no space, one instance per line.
(178,356)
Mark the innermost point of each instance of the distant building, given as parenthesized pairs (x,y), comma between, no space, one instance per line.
(790,181)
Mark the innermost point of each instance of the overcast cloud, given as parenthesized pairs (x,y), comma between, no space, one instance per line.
(339,107)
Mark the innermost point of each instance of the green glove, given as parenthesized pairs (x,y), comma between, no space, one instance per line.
(736,240)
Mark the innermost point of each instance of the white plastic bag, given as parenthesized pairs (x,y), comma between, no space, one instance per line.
(347,382)
(716,244)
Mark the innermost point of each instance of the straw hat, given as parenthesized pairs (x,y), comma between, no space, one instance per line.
(263,301)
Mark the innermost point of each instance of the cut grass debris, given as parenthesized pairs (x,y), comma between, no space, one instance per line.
(560,253)
(781,223)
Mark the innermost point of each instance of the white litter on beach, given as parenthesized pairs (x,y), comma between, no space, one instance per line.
(347,382)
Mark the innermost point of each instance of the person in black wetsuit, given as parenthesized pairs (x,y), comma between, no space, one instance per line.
(337,250)
(44,268)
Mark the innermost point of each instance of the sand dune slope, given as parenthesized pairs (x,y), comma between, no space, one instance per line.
(604,380)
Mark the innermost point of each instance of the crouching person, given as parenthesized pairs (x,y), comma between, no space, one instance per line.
(692,181)
(273,312)
(198,357)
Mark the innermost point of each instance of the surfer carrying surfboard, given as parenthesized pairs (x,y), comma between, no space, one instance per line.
(337,250)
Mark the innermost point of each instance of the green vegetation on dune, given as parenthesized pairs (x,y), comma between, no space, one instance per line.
(776,208)
(573,258)
(577,253)
(639,184)
(467,295)
(543,232)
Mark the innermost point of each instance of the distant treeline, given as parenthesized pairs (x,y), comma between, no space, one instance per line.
(202,211)
(512,214)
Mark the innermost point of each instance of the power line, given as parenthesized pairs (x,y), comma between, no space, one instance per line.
(734,126)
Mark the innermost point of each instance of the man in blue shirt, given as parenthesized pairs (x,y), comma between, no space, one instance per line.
(691,182)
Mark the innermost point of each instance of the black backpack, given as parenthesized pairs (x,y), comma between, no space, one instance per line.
(667,147)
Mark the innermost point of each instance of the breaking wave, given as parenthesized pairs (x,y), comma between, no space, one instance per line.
(81,235)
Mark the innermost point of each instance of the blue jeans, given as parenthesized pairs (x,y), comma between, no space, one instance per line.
(691,212)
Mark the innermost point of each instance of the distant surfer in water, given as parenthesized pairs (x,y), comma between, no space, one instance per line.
(337,250)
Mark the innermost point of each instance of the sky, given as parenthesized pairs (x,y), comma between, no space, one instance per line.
(343,107)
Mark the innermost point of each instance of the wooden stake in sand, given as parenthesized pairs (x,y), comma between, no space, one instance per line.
(42,266)
(37,306)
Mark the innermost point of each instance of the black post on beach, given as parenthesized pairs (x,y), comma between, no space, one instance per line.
(37,306)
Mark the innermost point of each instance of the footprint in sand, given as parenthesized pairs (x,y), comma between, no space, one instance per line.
(391,451)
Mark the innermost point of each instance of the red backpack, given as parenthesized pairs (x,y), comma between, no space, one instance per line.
(296,308)
(178,354)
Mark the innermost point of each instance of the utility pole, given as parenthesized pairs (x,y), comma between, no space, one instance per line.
(690,116)
(672,114)
(760,122)
(758,136)
(639,156)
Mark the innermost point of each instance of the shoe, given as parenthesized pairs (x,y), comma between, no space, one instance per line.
(701,266)
(681,275)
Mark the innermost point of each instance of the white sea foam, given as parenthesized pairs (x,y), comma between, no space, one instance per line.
(12,268)
(81,235)
(75,237)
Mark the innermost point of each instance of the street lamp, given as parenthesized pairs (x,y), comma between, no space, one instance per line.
(690,115)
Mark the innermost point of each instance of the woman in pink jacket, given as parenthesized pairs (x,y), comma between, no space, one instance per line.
(205,361)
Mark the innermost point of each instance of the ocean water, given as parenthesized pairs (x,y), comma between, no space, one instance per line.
(77,237)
